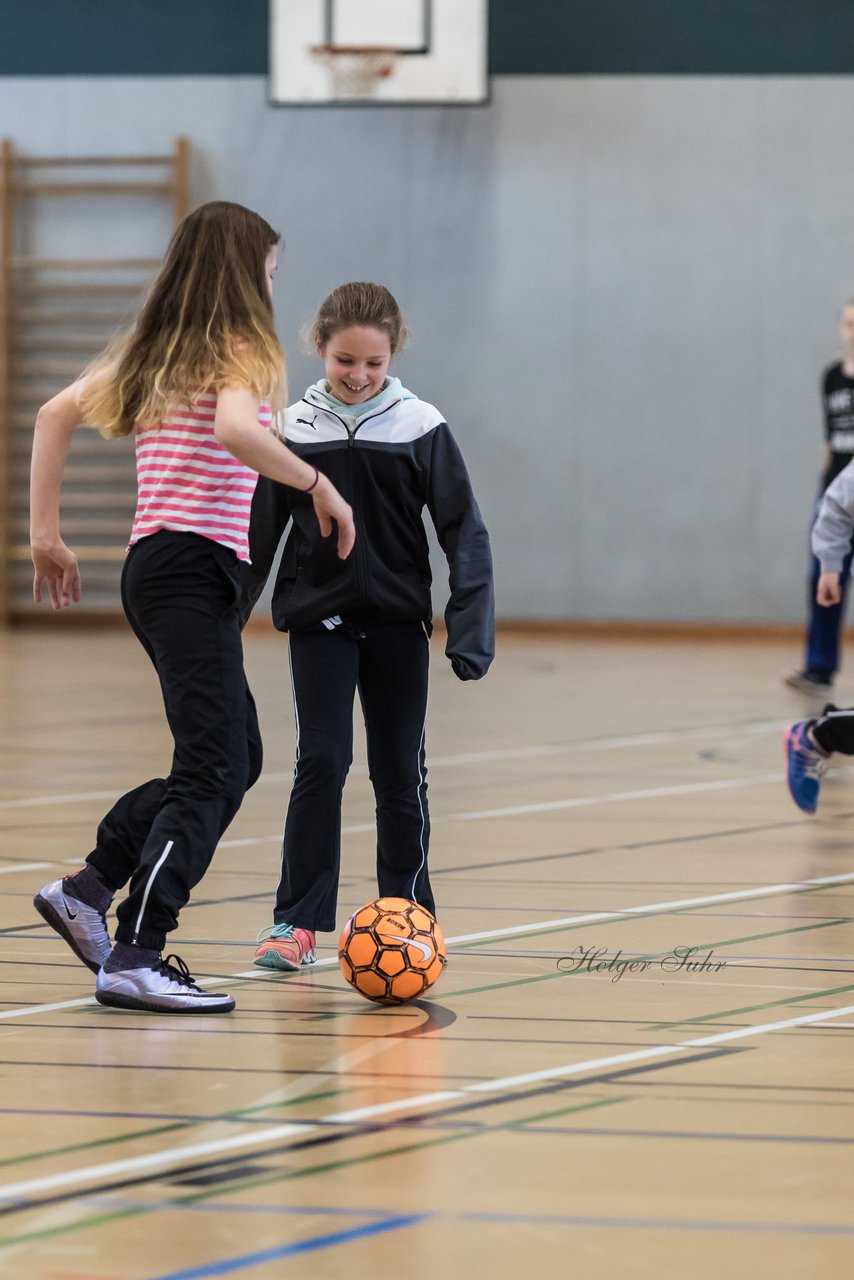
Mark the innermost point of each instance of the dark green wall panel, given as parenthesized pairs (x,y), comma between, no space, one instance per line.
(133,37)
(527,37)
(683,37)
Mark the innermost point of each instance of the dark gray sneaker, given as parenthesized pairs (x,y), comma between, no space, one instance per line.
(809,681)
(165,988)
(82,927)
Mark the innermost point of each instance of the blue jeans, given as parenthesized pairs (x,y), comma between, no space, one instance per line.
(825,621)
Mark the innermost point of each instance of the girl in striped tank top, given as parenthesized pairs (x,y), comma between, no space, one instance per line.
(197,381)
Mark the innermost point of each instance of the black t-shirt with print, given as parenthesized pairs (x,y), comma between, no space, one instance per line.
(838,400)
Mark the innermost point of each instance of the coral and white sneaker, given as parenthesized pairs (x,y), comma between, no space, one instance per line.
(83,927)
(285,947)
(165,988)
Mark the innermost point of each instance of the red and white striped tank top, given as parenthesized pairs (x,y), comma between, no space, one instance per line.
(188,482)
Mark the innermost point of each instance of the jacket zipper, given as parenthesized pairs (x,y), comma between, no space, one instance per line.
(360,563)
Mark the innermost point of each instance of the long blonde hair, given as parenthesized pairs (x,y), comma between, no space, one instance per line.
(207,323)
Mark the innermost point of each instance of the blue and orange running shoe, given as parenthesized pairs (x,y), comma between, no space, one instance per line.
(805,763)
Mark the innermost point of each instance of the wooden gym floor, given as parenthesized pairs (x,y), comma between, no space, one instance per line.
(590,799)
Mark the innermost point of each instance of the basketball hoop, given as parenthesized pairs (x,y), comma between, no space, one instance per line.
(356,70)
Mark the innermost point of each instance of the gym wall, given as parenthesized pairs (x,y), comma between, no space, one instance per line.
(623,275)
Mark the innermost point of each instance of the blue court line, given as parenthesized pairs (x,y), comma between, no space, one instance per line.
(520,1219)
(230,1265)
(526,1219)
(661,1224)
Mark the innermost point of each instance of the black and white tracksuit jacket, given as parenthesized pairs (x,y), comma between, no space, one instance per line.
(389,465)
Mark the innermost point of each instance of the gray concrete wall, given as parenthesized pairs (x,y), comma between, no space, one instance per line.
(622,292)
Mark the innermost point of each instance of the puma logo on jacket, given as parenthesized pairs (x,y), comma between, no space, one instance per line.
(389,464)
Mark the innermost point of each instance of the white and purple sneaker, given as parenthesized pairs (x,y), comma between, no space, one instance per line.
(165,987)
(83,927)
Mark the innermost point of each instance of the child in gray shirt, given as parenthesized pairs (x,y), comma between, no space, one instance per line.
(810,743)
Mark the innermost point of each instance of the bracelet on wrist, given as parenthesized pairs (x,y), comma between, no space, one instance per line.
(313,484)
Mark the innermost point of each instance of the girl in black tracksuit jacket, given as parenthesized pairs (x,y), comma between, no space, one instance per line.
(364,624)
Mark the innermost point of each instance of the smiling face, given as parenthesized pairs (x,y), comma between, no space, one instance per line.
(357,361)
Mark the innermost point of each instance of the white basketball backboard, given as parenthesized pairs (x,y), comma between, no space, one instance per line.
(440,51)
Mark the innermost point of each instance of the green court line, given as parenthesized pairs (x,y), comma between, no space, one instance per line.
(656,955)
(723,1099)
(748,1008)
(239,1183)
(291,1102)
(50,1233)
(622,919)
(761,937)
(642,915)
(702,947)
(565,1111)
(281,1175)
(97,1142)
(780,933)
(167,1128)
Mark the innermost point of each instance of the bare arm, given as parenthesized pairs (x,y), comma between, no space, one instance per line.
(238,430)
(54,563)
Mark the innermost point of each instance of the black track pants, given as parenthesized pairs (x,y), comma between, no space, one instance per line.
(180,593)
(834,731)
(388,664)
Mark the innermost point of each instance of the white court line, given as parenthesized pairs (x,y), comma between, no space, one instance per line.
(37,802)
(676,905)
(768,890)
(737,895)
(655,1051)
(619,797)
(632,741)
(504,1083)
(712,899)
(386,1108)
(137,1163)
(576,802)
(477,757)
(174,1155)
(26,866)
(277,837)
(48,1008)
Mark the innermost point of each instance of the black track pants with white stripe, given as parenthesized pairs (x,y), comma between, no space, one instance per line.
(180,593)
(834,731)
(387,663)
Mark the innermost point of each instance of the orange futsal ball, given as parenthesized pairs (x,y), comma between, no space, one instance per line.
(391,950)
